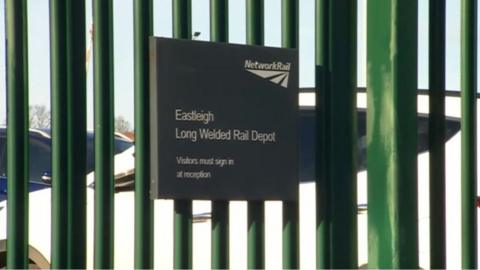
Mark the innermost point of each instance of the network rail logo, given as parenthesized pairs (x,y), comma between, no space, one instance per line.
(276,72)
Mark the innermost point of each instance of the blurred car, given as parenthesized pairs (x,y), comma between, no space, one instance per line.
(40,215)
(40,157)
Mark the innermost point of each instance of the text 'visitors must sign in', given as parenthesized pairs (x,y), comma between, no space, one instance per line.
(223,121)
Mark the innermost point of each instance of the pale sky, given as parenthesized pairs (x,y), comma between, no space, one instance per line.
(39,52)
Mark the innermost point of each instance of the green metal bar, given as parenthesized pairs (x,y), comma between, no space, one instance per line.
(392,133)
(322,82)
(290,13)
(182,19)
(219,20)
(144,234)
(436,133)
(182,29)
(183,235)
(291,234)
(256,235)
(255,24)
(104,92)
(69,134)
(342,133)
(220,234)
(17,134)
(58,63)
(256,210)
(220,209)
(77,135)
(469,132)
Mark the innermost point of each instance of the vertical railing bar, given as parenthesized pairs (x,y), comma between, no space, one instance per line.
(183,208)
(342,132)
(322,82)
(220,209)
(392,133)
(469,132)
(256,209)
(17,134)
(77,135)
(291,245)
(144,233)
(256,235)
(103,114)
(58,59)
(436,133)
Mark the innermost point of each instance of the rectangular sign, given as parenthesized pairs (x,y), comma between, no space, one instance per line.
(223,121)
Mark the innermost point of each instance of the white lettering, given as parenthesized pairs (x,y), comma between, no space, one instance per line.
(263,137)
(215,134)
(194,116)
(279,66)
(186,135)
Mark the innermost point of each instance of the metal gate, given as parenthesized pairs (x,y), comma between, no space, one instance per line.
(391,135)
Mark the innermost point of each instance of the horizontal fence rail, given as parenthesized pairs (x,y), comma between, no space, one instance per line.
(420,91)
(391,141)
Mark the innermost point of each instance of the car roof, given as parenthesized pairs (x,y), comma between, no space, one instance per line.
(47,133)
(40,132)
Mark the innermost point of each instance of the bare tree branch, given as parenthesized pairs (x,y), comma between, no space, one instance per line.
(39,116)
(122,125)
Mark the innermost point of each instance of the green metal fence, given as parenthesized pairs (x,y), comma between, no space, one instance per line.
(391,135)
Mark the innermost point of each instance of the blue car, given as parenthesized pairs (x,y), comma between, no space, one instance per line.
(40,158)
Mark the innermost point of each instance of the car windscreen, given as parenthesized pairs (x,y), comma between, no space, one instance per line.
(40,151)
(39,157)
(119,146)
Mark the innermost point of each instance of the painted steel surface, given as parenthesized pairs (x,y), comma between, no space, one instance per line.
(144,219)
(437,121)
(17,134)
(392,133)
(322,168)
(256,210)
(468,86)
(104,145)
(182,29)
(291,217)
(220,209)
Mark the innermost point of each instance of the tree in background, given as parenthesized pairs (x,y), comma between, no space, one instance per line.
(122,125)
(39,116)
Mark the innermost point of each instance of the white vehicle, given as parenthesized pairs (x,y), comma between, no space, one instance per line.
(40,205)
